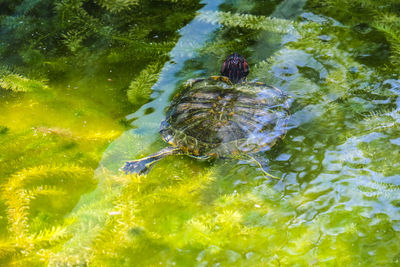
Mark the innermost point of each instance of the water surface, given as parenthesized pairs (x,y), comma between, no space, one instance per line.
(337,200)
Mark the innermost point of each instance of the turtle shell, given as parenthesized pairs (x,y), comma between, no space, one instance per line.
(213,117)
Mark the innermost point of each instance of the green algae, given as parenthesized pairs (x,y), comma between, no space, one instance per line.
(87,91)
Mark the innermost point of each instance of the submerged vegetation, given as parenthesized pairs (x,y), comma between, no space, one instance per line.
(367,17)
(72,70)
(66,67)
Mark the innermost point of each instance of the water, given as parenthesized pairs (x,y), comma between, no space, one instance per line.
(336,202)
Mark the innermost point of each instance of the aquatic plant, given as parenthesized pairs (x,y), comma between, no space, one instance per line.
(139,90)
(119,5)
(247,21)
(24,195)
(366,16)
(51,140)
(19,83)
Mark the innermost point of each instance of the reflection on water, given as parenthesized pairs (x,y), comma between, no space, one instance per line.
(338,198)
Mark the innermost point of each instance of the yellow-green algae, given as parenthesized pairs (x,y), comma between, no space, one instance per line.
(92,69)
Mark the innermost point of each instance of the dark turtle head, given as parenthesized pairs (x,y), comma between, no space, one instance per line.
(235,67)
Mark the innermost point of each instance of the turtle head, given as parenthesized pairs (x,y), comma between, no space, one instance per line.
(235,67)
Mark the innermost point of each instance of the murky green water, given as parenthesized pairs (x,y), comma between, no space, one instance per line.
(84,86)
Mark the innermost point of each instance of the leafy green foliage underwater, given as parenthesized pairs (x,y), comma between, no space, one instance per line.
(366,16)
(73,69)
(68,72)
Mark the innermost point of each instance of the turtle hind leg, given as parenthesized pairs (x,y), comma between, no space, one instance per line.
(142,166)
(262,168)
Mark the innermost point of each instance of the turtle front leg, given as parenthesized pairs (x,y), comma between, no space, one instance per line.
(140,166)
(143,165)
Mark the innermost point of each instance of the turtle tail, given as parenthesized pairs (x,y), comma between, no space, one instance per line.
(143,165)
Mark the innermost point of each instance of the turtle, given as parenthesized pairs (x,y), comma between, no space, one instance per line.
(221,117)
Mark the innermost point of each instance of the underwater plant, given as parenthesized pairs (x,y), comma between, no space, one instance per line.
(368,18)
(65,66)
